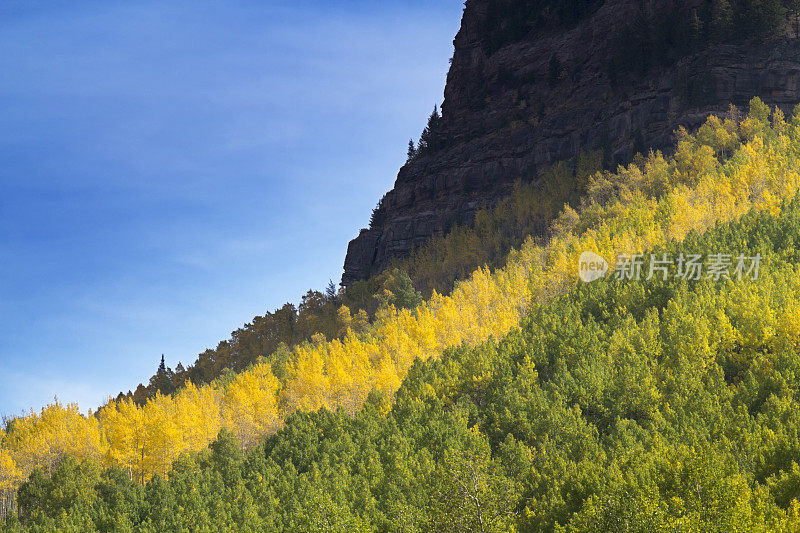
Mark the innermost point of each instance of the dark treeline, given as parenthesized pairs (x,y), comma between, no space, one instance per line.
(661,31)
(667,31)
(437,265)
(320,315)
(510,20)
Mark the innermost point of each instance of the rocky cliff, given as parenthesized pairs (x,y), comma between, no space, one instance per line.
(518,103)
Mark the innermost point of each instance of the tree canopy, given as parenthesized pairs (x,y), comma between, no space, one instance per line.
(523,401)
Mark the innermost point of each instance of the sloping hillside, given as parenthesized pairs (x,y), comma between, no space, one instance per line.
(536,82)
(729,168)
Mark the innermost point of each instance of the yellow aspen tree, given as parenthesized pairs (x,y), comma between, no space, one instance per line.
(348,374)
(250,405)
(387,376)
(344,319)
(27,443)
(67,431)
(307,380)
(38,440)
(162,437)
(10,476)
(360,321)
(124,427)
(198,415)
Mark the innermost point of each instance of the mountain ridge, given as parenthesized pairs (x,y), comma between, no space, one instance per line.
(512,109)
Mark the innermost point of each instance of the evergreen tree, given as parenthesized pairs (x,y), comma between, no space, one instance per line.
(430,140)
(378,216)
(760,18)
(721,19)
(180,376)
(330,292)
(412,151)
(401,291)
(163,381)
(141,394)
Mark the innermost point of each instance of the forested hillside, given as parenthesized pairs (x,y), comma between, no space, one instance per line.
(435,266)
(662,405)
(642,38)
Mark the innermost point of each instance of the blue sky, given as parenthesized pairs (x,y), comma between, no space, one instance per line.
(169,170)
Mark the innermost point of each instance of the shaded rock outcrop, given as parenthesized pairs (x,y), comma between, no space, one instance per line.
(510,112)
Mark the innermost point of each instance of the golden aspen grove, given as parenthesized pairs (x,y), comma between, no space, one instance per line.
(378,378)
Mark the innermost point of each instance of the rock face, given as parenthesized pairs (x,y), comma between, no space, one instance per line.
(505,117)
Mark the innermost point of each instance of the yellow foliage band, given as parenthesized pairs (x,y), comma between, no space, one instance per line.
(728,168)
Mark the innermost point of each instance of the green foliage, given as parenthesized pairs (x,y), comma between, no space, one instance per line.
(652,405)
(400,291)
(528,210)
(164,379)
(378,216)
(265,335)
(393,286)
(433,137)
(434,266)
(412,150)
(79,496)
